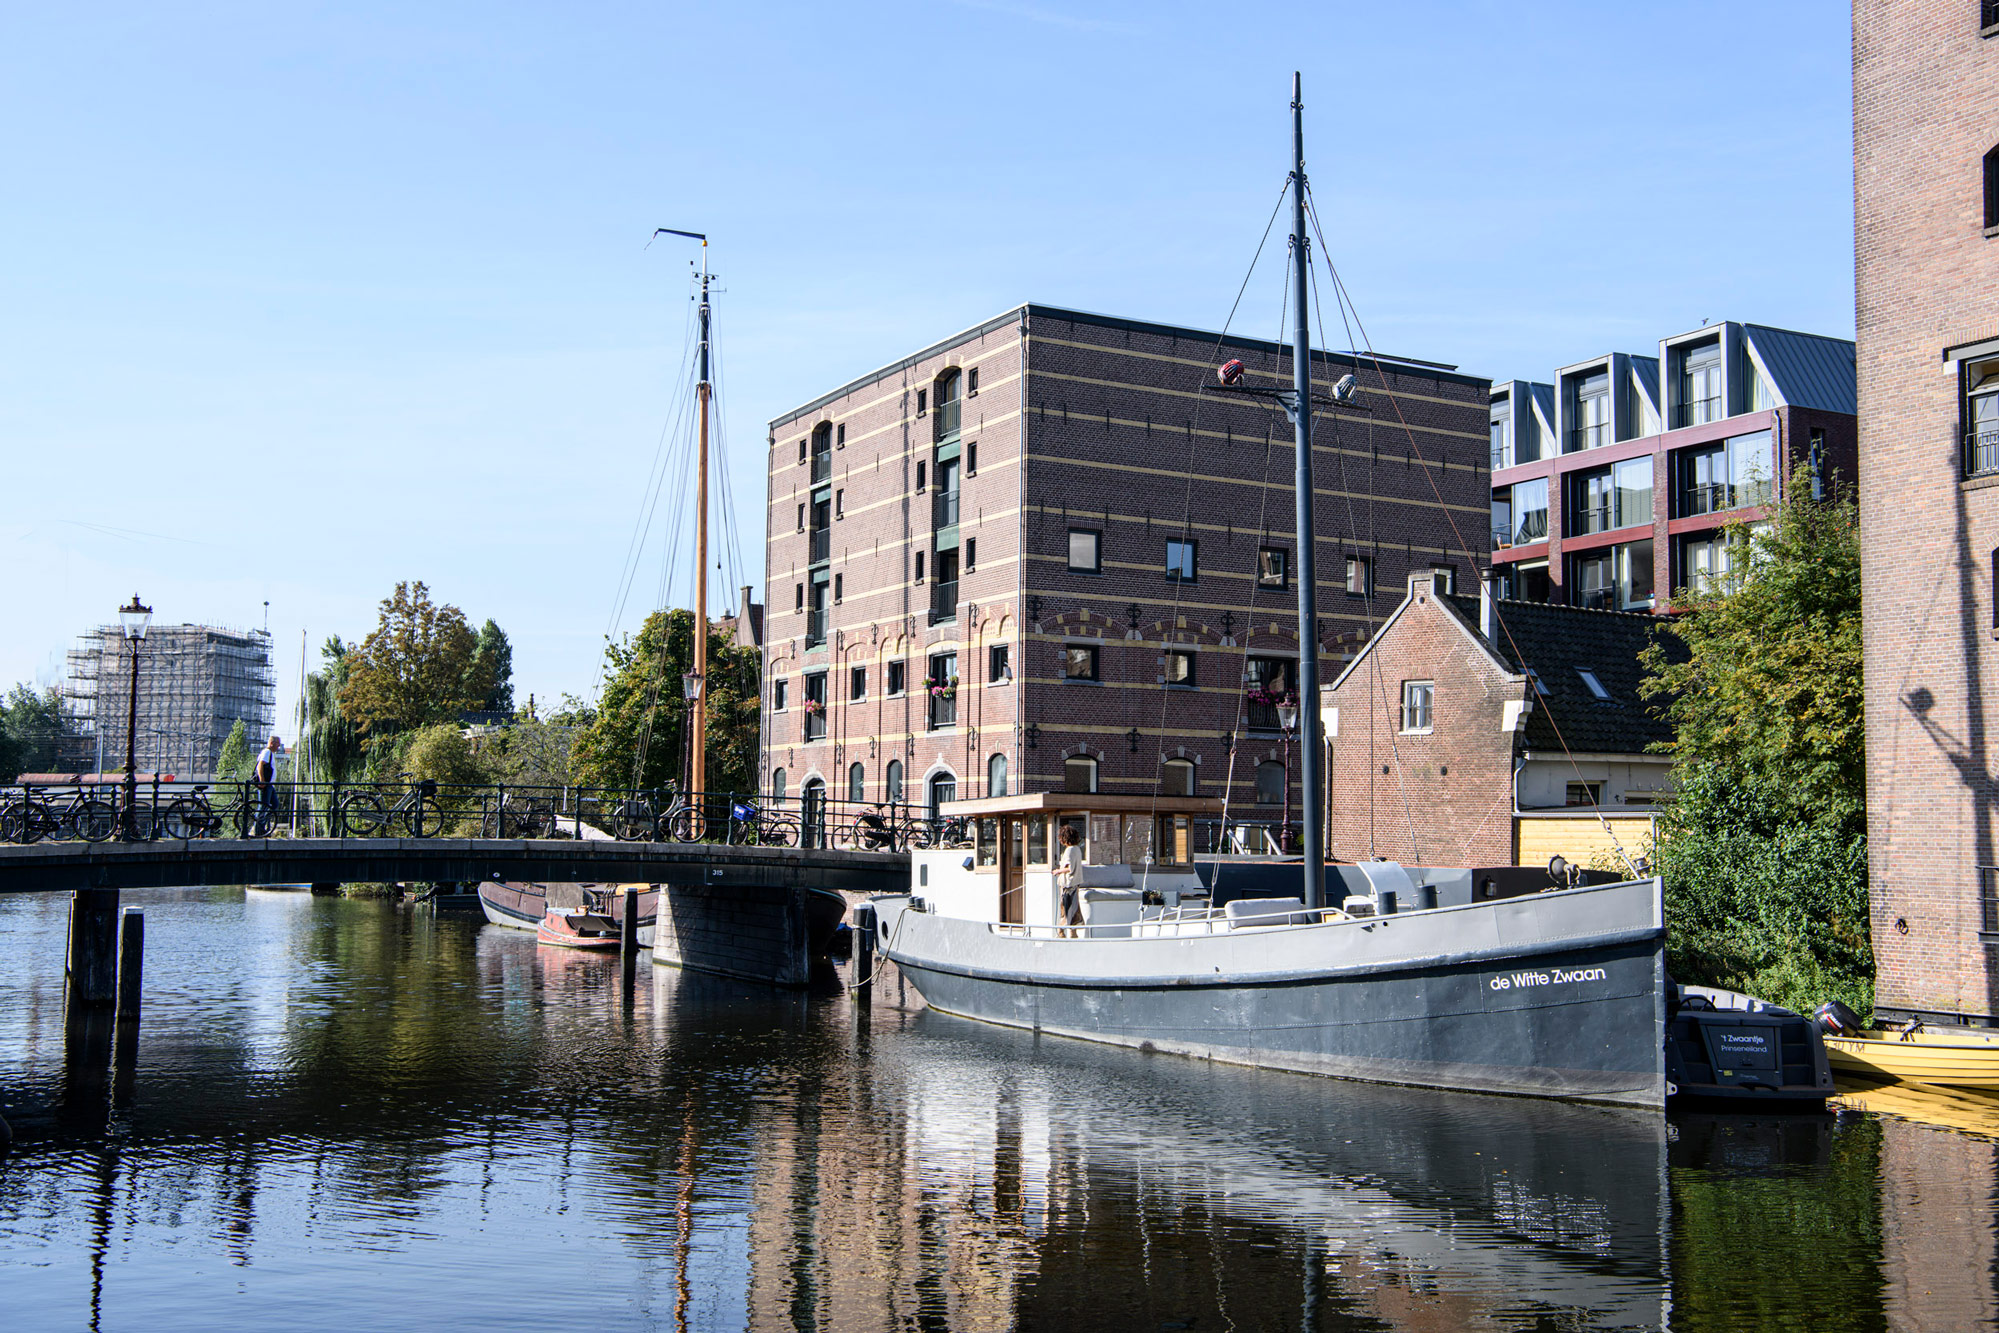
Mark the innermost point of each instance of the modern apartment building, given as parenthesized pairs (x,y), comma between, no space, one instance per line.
(1614,485)
(1044,554)
(1926,254)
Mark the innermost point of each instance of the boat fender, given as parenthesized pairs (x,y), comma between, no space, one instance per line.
(1836,1020)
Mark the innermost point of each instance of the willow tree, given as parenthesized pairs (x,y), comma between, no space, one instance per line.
(416,668)
(638,736)
(332,743)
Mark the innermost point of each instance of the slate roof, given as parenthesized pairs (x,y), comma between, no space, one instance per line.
(1807,369)
(1558,642)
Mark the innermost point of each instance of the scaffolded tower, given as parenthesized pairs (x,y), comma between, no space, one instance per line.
(195,683)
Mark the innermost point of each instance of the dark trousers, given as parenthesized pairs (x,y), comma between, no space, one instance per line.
(267,806)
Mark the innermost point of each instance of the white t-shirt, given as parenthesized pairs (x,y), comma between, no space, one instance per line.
(1072,863)
(266,756)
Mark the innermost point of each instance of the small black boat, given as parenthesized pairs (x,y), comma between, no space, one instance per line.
(1729,1051)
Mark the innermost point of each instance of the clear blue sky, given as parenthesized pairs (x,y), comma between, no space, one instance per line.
(300,300)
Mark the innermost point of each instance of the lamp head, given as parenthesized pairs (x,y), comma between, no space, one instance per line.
(1287,714)
(690,685)
(1343,391)
(135,618)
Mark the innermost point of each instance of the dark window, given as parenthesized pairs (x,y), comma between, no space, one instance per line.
(921,474)
(944,587)
(944,507)
(998,671)
(840,436)
(1590,502)
(777,692)
(857,682)
(1268,681)
(822,452)
(995,786)
(971,553)
(1269,783)
(1590,428)
(801,518)
(802,447)
(1177,778)
(945,424)
(1079,661)
(800,590)
(1182,560)
(1179,666)
(839,504)
(837,580)
(922,401)
(892,781)
(821,546)
(857,784)
(1085,551)
(1988,17)
(1992,188)
(815,611)
(943,686)
(1079,774)
(815,705)
(1698,385)
(919,566)
(1585,793)
(943,790)
(1273,566)
(896,673)
(972,382)
(777,783)
(972,459)
(1360,576)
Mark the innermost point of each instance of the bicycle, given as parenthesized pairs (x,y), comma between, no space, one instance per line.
(751,826)
(417,813)
(519,817)
(686,820)
(31,818)
(636,818)
(193,816)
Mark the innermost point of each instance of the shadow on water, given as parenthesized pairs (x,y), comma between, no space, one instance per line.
(345,1112)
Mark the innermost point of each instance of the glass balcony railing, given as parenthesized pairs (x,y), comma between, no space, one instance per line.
(944,509)
(1593,518)
(943,601)
(822,545)
(815,626)
(1698,412)
(1589,437)
(822,465)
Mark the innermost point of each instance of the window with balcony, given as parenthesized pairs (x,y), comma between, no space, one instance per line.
(1079,661)
(1529,511)
(1079,774)
(815,611)
(944,422)
(1733,474)
(822,452)
(1502,434)
(822,527)
(1267,682)
(1273,566)
(857,683)
(999,665)
(944,588)
(944,504)
(815,705)
(1708,560)
(1617,579)
(1590,503)
(1179,667)
(1086,554)
(1360,576)
(1523,581)
(1417,697)
(1181,560)
(1699,386)
(942,683)
(1589,426)
(1981,418)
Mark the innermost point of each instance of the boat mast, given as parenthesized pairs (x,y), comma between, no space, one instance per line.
(1308,555)
(697,745)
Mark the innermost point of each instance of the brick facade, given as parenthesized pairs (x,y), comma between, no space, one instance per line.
(1103,426)
(1926,112)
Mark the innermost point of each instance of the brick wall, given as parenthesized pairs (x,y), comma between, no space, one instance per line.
(1926,110)
(1444,798)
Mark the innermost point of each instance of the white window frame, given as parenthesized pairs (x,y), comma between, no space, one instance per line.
(1419,707)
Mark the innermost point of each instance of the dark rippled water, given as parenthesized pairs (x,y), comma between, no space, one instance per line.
(354,1117)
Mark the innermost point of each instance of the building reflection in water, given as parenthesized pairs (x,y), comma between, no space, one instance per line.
(343,1112)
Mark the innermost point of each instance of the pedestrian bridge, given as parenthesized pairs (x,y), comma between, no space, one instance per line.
(46,866)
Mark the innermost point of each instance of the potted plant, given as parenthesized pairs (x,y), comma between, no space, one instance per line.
(946,688)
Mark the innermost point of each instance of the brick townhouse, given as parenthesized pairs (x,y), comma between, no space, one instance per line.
(1926,253)
(1613,486)
(1482,732)
(1042,554)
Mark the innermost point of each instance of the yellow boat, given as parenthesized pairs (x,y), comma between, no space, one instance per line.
(1964,1110)
(1953,1057)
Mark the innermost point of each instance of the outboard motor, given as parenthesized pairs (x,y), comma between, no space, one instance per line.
(1836,1020)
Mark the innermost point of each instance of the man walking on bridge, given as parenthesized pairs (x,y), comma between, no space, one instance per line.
(266,776)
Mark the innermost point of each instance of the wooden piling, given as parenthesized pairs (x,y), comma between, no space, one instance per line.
(864,952)
(131,963)
(93,948)
(629,937)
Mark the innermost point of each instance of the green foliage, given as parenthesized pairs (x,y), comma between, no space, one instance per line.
(1764,849)
(1760,899)
(491,678)
(441,752)
(637,734)
(413,670)
(236,758)
(332,743)
(31,727)
(532,753)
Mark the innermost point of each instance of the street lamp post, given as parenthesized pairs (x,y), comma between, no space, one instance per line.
(134,618)
(1287,718)
(690,689)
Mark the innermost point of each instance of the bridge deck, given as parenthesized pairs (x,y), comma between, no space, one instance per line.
(42,867)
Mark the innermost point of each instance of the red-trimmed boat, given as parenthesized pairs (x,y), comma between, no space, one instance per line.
(570,916)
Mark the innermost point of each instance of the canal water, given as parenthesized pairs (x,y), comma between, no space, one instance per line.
(358,1117)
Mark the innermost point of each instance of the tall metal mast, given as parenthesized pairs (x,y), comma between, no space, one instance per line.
(1308,555)
(697,712)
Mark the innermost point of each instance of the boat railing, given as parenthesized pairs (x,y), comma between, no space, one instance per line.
(1175,923)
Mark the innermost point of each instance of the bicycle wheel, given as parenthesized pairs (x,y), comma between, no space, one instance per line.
(688,824)
(922,834)
(361,815)
(781,831)
(634,822)
(96,820)
(14,821)
(421,818)
(146,821)
(182,819)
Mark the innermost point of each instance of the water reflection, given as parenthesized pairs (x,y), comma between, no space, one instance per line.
(346,1112)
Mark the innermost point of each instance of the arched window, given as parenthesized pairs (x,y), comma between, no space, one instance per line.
(1079,774)
(892,782)
(996,775)
(812,813)
(822,452)
(1177,778)
(1270,783)
(945,418)
(943,787)
(857,783)
(777,784)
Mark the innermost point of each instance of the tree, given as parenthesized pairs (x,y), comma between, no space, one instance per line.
(31,731)
(492,675)
(234,760)
(332,744)
(414,669)
(638,734)
(1764,847)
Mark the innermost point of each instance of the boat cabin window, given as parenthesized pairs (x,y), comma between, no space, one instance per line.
(1079,774)
(1016,837)
(988,843)
(1078,823)
(1175,841)
(1037,840)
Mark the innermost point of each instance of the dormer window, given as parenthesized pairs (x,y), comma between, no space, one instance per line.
(1699,386)
(1502,434)
(1590,425)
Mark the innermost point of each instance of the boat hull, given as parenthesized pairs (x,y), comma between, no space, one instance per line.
(1951,1060)
(1556,995)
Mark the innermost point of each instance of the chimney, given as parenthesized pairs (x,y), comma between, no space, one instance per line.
(1488,612)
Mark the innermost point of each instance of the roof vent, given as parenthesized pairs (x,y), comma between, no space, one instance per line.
(1595,686)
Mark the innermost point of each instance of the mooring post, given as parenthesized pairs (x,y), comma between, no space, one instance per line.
(131,963)
(864,952)
(630,937)
(93,948)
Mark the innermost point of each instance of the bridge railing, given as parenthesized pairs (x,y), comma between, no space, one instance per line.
(95,809)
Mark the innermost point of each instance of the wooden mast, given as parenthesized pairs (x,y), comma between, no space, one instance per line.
(697,757)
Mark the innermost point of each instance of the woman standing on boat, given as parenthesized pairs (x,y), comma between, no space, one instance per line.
(1067,871)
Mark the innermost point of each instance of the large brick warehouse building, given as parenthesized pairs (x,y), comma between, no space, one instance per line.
(1042,554)
(1926,190)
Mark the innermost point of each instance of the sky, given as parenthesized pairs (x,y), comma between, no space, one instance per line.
(299,301)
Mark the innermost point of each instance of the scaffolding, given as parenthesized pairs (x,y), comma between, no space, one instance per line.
(195,683)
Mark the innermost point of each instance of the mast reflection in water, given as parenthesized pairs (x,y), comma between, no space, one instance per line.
(349,1115)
